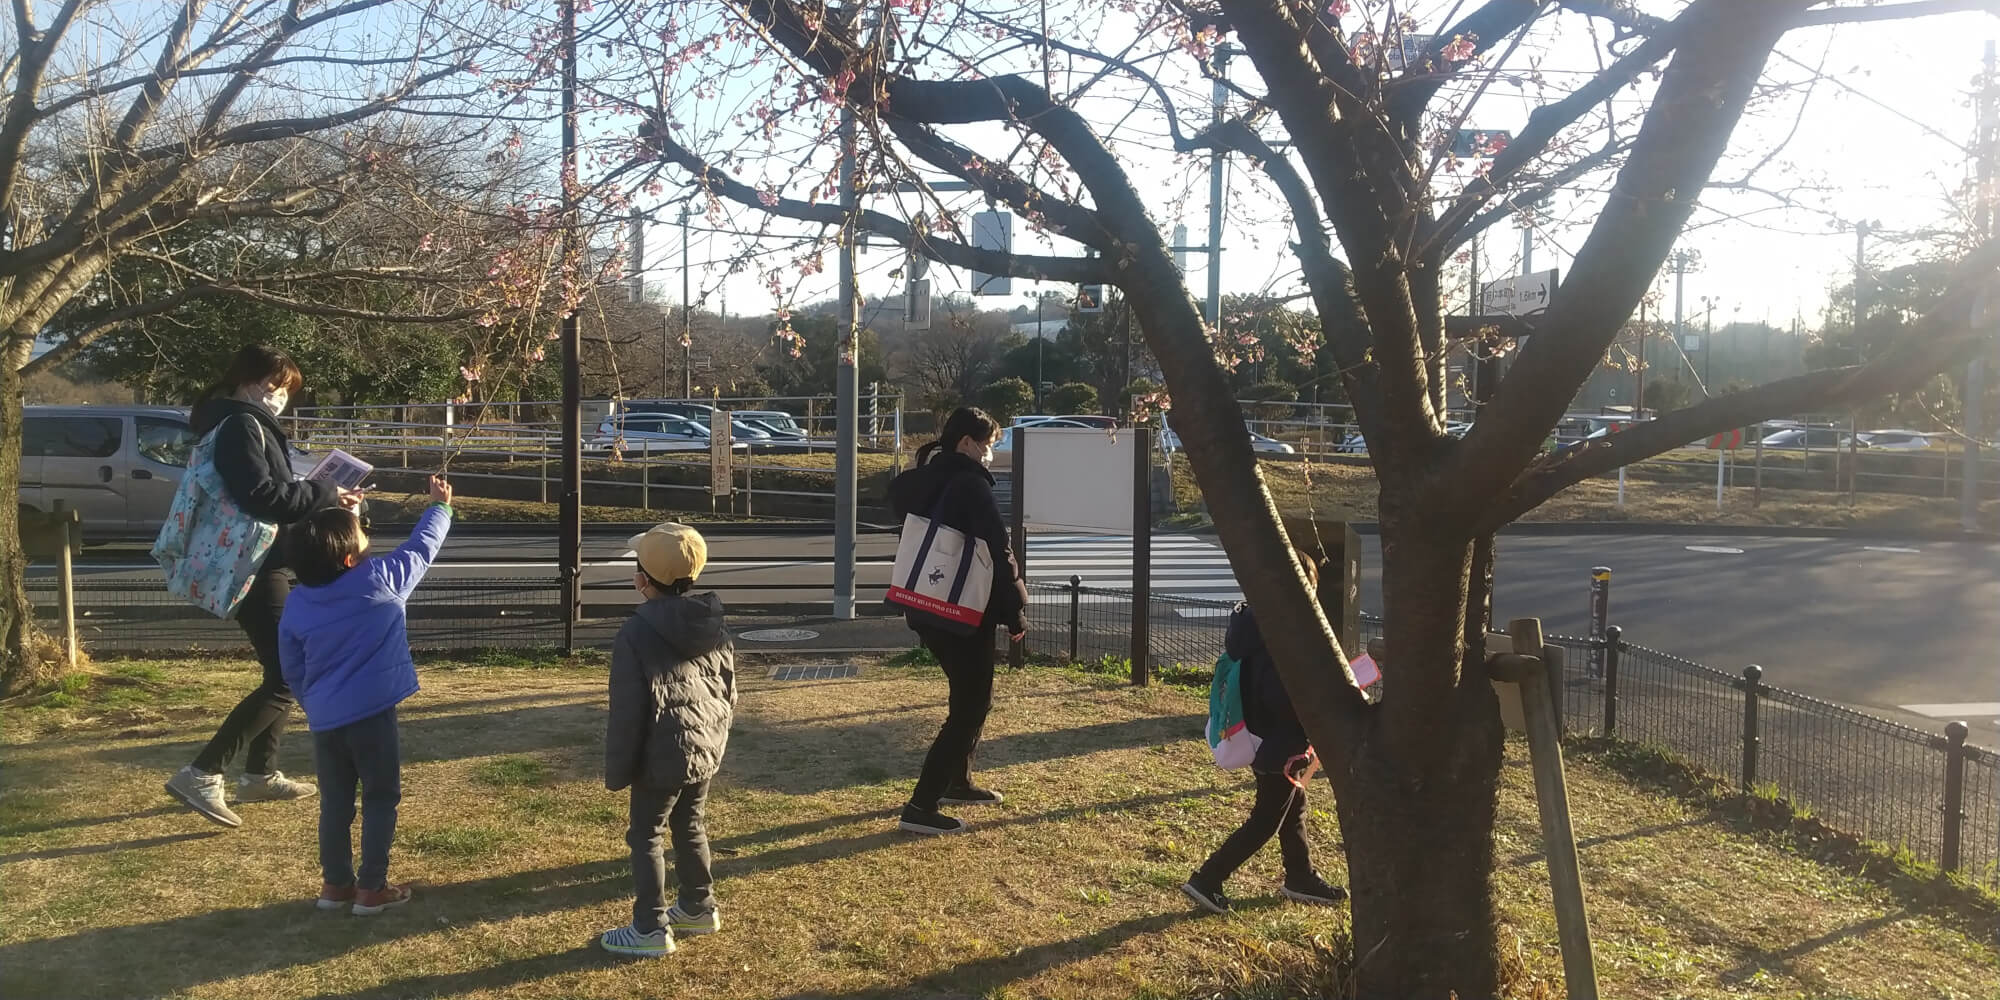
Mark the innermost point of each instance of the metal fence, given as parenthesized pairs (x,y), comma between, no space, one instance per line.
(1930,794)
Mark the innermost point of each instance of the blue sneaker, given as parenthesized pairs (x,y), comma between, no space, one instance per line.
(627,940)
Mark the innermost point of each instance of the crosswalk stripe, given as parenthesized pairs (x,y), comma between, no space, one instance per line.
(1181,565)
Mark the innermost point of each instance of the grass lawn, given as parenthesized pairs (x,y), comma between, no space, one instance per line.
(1068,890)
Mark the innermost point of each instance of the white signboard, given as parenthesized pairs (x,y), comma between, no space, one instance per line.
(1520,295)
(992,231)
(719,446)
(1076,478)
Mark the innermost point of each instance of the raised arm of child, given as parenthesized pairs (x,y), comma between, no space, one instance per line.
(404,568)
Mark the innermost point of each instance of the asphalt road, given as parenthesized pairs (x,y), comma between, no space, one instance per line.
(1878,626)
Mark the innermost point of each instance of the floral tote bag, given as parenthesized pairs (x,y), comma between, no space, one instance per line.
(209,548)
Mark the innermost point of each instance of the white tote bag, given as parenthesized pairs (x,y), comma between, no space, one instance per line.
(942,574)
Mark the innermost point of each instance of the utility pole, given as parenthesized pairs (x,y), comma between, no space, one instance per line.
(1639,377)
(847,382)
(570,544)
(1860,266)
(1527,241)
(687,312)
(1708,340)
(1220,96)
(1975,372)
(1680,260)
(1039,299)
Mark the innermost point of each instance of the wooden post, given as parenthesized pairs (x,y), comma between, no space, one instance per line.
(1525,668)
(72,539)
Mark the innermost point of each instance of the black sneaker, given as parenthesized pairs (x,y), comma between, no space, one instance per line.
(1312,891)
(971,795)
(929,821)
(1208,899)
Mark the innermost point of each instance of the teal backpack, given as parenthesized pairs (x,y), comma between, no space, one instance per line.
(1229,739)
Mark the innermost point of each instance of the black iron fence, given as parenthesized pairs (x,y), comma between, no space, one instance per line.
(1931,794)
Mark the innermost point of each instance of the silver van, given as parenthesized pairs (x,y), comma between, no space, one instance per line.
(118,466)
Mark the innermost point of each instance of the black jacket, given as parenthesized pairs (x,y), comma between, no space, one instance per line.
(1266,709)
(673,694)
(253,457)
(970,508)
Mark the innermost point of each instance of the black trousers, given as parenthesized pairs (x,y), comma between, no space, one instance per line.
(968,667)
(258,721)
(367,753)
(1280,809)
(659,813)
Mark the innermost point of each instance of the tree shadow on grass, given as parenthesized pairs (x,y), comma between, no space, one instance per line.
(426,737)
(978,978)
(88,849)
(809,759)
(86,964)
(25,829)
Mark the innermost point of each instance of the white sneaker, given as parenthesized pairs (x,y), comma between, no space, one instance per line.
(682,924)
(271,788)
(202,792)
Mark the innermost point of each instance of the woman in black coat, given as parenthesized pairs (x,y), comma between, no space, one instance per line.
(952,484)
(253,457)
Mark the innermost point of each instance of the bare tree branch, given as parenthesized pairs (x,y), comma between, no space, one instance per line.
(1893,12)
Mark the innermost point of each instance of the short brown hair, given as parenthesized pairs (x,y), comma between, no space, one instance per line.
(319,546)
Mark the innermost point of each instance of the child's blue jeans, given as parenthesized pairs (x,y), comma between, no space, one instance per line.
(369,754)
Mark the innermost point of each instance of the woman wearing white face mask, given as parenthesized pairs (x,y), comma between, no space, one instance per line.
(253,458)
(952,484)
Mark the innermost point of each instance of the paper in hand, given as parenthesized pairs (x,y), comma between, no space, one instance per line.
(342,469)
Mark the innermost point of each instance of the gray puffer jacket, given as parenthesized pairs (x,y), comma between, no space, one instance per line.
(673,694)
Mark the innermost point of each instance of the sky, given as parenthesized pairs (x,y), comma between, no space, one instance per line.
(1883,136)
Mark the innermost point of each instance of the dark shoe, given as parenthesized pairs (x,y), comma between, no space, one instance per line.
(1208,899)
(1312,891)
(971,795)
(929,822)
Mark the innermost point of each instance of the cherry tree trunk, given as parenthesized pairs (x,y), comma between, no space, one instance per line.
(21,664)
(1417,800)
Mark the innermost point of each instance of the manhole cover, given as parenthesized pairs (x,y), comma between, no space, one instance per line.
(1719,550)
(813,671)
(778,635)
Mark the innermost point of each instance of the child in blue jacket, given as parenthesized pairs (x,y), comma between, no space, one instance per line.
(345,648)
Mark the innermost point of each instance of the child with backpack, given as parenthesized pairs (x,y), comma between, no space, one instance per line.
(672,698)
(344,646)
(1279,763)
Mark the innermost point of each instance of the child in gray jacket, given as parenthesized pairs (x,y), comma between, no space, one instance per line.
(673,693)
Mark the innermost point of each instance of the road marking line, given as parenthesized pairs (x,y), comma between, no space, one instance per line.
(1955,709)
(1720,550)
(1891,548)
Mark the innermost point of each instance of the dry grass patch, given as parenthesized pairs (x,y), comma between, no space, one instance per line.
(1299,487)
(1068,890)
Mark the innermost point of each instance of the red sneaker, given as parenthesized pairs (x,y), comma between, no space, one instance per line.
(333,897)
(368,902)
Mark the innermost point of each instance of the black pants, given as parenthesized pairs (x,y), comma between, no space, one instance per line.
(1281,809)
(258,721)
(368,753)
(968,666)
(656,812)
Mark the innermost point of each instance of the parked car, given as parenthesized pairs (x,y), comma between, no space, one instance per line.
(672,407)
(1355,444)
(1171,442)
(1003,446)
(117,466)
(1804,438)
(780,425)
(1892,440)
(656,432)
(1087,420)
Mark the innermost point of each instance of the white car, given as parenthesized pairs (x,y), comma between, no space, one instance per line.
(1171,442)
(1892,440)
(1003,446)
